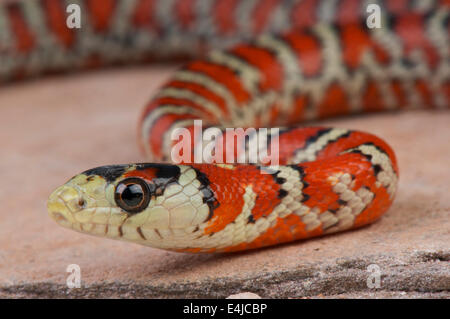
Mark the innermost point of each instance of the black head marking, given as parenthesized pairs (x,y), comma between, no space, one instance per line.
(282,193)
(208,195)
(110,172)
(162,170)
(376,168)
(166,174)
(168,171)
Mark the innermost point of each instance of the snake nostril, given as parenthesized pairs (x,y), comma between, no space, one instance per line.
(81,203)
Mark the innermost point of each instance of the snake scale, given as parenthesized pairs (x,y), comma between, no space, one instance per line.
(268,63)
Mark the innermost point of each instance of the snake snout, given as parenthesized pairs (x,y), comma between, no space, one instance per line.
(63,203)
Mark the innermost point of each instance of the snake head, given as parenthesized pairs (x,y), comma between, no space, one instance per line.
(158,205)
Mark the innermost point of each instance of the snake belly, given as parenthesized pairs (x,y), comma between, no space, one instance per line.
(277,63)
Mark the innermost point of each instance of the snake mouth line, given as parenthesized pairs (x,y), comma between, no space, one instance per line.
(59,217)
(64,216)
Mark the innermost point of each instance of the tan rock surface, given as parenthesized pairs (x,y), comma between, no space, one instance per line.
(56,127)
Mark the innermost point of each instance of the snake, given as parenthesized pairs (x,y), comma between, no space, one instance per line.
(253,65)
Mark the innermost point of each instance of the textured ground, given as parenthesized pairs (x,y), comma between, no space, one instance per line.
(56,127)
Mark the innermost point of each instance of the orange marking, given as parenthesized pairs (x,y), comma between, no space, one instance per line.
(285,230)
(425,93)
(267,195)
(349,11)
(353,140)
(323,197)
(265,62)
(308,51)
(203,92)
(334,102)
(57,22)
(101,13)
(223,13)
(300,104)
(148,174)
(24,35)
(410,28)
(224,76)
(304,14)
(399,93)
(355,42)
(397,6)
(293,140)
(184,12)
(160,126)
(157,102)
(319,190)
(372,99)
(143,15)
(378,206)
(229,188)
(261,14)
(190,250)
(275,113)
(229,191)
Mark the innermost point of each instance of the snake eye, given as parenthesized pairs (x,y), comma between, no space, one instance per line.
(132,195)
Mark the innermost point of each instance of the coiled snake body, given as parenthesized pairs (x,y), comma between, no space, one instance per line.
(285,62)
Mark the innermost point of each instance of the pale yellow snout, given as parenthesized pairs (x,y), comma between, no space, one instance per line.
(63,203)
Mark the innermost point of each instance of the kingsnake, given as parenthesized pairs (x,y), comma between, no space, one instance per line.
(274,63)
